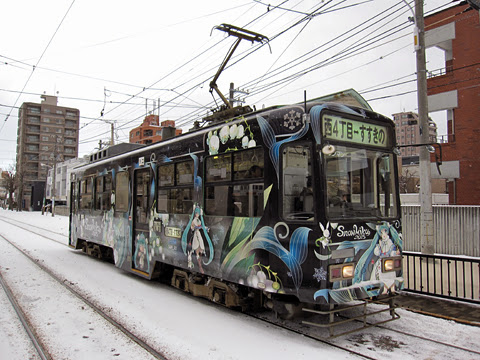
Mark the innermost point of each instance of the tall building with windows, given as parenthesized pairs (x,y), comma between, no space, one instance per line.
(408,133)
(46,134)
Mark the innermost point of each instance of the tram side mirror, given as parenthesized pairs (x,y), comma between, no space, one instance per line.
(328,149)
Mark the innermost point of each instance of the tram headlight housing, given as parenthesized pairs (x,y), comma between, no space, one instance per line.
(339,272)
(391,264)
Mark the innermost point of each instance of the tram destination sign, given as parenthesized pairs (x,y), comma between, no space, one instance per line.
(354,131)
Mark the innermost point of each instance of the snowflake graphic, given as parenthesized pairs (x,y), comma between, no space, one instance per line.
(320,274)
(291,120)
(215,239)
(363,113)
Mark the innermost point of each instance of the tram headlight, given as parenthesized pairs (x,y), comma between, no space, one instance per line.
(391,264)
(347,271)
(388,265)
(340,272)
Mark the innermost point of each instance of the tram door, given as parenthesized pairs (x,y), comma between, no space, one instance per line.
(140,260)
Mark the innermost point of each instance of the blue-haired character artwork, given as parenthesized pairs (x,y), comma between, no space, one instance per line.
(193,240)
(141,258)
(386,243)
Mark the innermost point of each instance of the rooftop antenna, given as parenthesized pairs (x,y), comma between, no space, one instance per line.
(240,34)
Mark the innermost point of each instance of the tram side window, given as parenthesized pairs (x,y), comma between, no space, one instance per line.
(297,183)
(175,188)
(234,184)
(86,193)
(103,192)
(121,191)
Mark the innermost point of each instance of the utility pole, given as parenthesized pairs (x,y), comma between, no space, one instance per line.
(112,137)
(58,139)
(426,209)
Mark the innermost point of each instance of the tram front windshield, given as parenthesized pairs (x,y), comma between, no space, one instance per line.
(360,184)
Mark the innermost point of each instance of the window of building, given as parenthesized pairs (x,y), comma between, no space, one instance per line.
(60,112)
(234,183)
(33,128)
(34,110)
(148,133)
(175,188)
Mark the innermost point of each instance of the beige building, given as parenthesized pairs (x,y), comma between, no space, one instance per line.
(408,132)
(47,134)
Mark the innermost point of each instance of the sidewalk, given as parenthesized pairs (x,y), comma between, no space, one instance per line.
(458,311)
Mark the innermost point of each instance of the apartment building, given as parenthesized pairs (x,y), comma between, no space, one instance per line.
(408,133)
(46,134)
(455,89)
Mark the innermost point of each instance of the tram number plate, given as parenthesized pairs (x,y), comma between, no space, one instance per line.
(173,232)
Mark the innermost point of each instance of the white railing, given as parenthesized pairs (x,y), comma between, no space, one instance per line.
(456,229)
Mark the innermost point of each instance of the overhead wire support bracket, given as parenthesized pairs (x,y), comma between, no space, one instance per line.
(241,34)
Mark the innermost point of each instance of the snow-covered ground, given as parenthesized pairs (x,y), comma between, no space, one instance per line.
(181,326)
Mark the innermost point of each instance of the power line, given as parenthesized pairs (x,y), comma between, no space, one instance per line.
(41,56)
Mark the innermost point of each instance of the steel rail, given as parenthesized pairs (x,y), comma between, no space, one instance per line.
(42,353)
(97,309)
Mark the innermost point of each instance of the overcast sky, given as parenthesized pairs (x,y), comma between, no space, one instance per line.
(118,57)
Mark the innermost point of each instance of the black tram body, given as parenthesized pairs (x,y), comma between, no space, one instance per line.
(294,201)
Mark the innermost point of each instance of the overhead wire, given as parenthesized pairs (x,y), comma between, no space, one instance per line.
(333,42)
(38,61)
(190,89)
(348,31)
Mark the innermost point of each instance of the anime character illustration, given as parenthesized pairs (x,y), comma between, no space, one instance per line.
(386,243)
(142,261)
(194,243)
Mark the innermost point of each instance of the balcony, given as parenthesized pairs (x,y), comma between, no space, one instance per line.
(447,70)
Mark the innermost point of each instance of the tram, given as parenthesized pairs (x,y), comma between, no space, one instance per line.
(288,205)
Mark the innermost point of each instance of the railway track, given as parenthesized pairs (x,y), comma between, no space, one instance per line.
(363,344)
(45,233)
(294,328)
(387,337)
(30,331)
(87,303)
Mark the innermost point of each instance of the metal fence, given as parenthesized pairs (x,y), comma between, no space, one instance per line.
(454,270)
(453,277)
(456,229)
